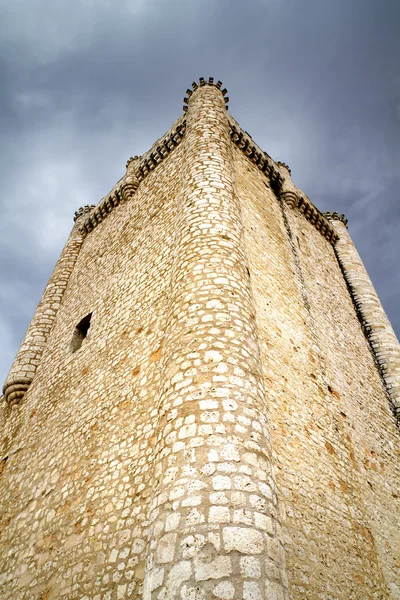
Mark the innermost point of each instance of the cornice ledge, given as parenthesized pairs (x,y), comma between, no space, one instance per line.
(318,219)
(83,210)
(202,83)
(334,216)
(270,168)
(15,389)
(130,183)
(253,152)
(280,163)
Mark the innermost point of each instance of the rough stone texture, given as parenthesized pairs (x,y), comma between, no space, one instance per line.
(379,331)
(28,358)
(224,430)
(334,436)
(76,484)
(213,435)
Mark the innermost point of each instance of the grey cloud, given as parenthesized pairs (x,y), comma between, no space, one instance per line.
(86,84)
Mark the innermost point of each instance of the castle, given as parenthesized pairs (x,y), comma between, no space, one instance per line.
(205,405)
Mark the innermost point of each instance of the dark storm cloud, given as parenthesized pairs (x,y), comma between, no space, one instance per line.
(86,84)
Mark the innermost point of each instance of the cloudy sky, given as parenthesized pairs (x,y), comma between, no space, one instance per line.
(85,84)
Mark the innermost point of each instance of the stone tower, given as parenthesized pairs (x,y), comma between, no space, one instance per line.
(205,403)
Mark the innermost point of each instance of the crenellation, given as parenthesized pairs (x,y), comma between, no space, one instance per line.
(28,357)
(282,182)
(203,405)
(279,163)
(334,216)
(137,169)
(84,210)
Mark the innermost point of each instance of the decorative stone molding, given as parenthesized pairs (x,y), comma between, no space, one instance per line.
(203,82)
(261,159)
(290,198)
(128,189)
(279,163)
(334,216)
(283,186)
(29,355)
(83,210)
(142,166)
(317,219)
(15,389)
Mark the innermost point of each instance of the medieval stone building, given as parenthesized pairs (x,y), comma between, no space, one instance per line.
(205,403)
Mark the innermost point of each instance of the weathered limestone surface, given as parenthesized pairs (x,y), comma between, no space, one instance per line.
(335,441)
(77,450)
(31,350)
(224,431)
(374,320)
(214,507)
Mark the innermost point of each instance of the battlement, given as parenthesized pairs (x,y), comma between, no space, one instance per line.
(334,216)
(203,82)
(274,172)
(163,147)
(83,211)
(129,183)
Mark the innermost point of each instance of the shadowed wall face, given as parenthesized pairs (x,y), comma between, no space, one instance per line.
(334,437)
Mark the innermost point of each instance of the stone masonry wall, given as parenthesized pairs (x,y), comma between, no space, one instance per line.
(147,450)
(334,437)
(77,450)
(30,352)
(223,431)
(375,323)
(364,429)
(215,520)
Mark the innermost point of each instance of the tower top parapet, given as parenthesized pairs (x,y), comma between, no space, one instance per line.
(277,172)
(203,82)
(334,216)
(279,163)
(83,210)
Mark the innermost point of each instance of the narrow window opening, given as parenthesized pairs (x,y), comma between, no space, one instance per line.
(80,332)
